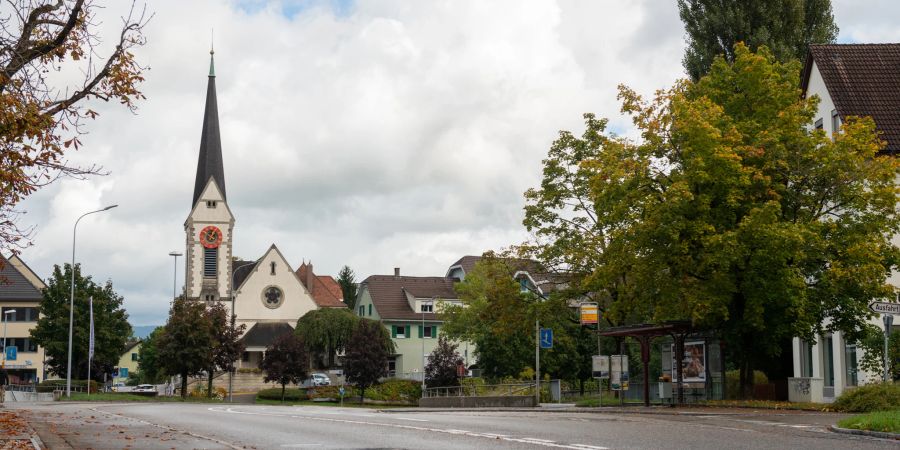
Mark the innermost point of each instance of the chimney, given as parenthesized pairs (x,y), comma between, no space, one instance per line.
(309,277)
(396,272)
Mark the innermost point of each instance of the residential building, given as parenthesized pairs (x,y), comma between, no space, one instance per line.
(850,80)
(530,274)
(409,308)
(21,291)
(128,362)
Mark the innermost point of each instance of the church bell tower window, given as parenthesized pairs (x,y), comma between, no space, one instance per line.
(210,261)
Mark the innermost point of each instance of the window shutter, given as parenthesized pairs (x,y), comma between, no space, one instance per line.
(421,331)
(393,331)
(370,309)
(408,334)
(434,331)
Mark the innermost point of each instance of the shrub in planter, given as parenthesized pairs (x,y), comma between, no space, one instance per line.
(869,398)
(292,395)
(396,390)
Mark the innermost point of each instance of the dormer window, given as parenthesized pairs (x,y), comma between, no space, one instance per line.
(426,307)
(211,203)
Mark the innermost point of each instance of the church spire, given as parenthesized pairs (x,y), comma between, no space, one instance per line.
(209,165)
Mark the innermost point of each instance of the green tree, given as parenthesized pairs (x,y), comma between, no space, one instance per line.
(442,363)
(499,318)
(366,360)
(872,344)
(43,116)
(227,345)
(349,289)
(734,213)
(326,332)
(149,365)
(786,27)
(185,343)
(111,328)
(285,361)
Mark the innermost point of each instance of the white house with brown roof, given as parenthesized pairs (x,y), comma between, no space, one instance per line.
(266,295)
(408,307)
(850,80)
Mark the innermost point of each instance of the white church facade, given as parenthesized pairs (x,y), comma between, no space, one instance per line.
(266,295)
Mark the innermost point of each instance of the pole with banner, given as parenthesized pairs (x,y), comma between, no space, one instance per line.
(887,311)
(90,345)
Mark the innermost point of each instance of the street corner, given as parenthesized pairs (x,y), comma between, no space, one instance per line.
(15,433)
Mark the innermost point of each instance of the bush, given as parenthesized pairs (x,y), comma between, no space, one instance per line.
(290,394)
(733,382)
(869,398)
(325,392)
(218,393)
(395,390)
(53,385)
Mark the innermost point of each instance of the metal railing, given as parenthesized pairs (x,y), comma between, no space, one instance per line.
(484,390)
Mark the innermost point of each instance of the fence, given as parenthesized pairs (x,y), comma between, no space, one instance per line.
(485,390)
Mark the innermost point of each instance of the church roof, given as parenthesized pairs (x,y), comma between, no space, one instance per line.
(14,286)
(209,164)
(262,334)
(240,270)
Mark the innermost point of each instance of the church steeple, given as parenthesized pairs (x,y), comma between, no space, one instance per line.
(209,165)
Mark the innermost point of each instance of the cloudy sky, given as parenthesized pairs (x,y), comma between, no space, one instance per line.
(375,134)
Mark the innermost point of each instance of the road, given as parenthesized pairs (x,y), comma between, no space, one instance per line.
(216,426)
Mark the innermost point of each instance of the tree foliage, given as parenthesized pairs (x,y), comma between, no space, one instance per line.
(872,346)
(732,211)
(442,363)
(499,318)
(367,354)
(226,337)
(149,365)
(285,361)
(43,116)
(349,289)
(786,27)
(326,332)
(185,343)
(111,328)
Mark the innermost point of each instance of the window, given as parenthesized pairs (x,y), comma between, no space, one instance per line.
(211,203)
(245,357)
(362,310)
(272,268)
(426,307)
(370,309)
(523,284)
(272,297)
(400,331)
(851,377)
(21,314)
(428,332)
(23,345)
(210,261)
(819,124)
(392,366)
(806,365)
(828,358)
(134,356)
(835,123)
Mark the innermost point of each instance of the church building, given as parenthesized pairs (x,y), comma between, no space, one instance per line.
(266,295)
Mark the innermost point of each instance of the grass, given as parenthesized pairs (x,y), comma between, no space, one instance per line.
(768,404)
(607,401)
(126,397)
(885,421)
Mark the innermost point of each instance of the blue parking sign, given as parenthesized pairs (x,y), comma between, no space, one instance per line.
(11,353)
(546,338)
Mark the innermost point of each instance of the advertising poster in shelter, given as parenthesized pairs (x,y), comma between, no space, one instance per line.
(693,362)
(618,373)
(600,366)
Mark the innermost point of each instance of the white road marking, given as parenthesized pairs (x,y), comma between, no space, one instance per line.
(300,445)
(532,441)
(410,418)
(168,428)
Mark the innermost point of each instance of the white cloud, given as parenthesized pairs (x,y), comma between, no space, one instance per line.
(389,134)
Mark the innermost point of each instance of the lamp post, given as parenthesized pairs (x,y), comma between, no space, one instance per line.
(5,322)
(72,301)
(176,254)
(424,302)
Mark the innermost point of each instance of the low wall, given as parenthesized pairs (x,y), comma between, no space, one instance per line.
(508,401)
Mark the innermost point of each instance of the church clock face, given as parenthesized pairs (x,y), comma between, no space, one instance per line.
(211,237)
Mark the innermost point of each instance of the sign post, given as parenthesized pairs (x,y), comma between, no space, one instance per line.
(887,311)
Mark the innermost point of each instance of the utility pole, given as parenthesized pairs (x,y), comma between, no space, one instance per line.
(537,363)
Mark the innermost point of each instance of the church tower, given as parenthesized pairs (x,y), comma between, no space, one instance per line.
(209,227)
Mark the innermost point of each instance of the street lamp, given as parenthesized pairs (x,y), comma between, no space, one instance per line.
(5,322)
(72,302)
(424,302)
(176,254)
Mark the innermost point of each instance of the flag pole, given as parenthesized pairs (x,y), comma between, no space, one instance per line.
(90,347)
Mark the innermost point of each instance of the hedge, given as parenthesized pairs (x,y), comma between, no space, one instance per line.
(290,394)
(869,398)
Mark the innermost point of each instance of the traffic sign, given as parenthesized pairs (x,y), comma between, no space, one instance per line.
(885,308)
(341,391)
(546,338)
(11,353)
(590,313)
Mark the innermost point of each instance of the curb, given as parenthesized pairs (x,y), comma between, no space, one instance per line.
(877,434)
(566,410)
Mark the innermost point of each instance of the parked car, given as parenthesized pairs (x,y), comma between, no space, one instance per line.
(145,389)
(319,379)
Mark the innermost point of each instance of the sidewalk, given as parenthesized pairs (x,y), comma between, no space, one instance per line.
(15,432)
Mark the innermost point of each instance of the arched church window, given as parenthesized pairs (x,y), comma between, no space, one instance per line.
(272,266)
(272,297)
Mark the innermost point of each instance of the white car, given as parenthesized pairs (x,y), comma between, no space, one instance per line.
(144,389)
(319,379)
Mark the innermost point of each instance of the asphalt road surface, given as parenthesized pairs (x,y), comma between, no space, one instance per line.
(168,426)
